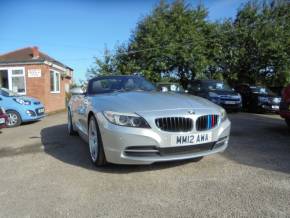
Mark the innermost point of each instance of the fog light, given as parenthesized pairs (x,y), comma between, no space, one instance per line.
(31,113)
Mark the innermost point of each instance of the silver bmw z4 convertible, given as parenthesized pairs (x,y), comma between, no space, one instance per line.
(126,121)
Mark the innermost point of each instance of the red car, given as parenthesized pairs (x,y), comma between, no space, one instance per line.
(285,105)
(3,118)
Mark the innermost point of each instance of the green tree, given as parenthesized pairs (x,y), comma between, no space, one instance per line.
(262,43)
(176,42)
(171,42)
(103,66)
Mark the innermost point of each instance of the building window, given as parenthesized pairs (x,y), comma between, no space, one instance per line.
(54,82)
(18,81)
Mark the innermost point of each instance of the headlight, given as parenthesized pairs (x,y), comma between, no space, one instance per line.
(277,100)
(213,95)
(224,115)
(263,99)
(21,101)
(126,119)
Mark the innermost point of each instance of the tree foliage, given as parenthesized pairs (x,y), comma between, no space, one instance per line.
(176,41)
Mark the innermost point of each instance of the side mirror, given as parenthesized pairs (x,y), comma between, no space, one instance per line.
(77,91)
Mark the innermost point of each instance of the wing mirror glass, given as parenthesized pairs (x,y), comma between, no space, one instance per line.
(77,91)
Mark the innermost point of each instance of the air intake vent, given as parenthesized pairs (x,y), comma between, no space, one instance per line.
(206,122)
(174,124)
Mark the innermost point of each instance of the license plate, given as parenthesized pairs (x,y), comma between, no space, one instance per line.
(2,120)
(41,110)
(230,102)
(191,139)
(275,107)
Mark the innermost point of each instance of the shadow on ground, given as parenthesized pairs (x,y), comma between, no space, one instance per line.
(259,141)
(73,150)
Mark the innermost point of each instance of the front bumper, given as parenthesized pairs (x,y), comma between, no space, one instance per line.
(125,145)
(237,106)
(32,113)
(269,107)
(228,104)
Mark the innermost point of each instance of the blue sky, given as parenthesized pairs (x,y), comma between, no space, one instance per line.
(75,31)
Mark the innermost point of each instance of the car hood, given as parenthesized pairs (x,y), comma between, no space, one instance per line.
(150,101)
(27,98)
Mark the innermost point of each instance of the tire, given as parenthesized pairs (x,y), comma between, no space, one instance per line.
(288,122)
(70,127)
(197,159)
(96,149)
(14,119)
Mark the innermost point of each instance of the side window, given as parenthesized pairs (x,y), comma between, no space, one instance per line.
(18,81)
(54,82)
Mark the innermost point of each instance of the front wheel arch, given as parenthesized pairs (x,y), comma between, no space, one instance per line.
(18,115)
(91,113)
(101,160)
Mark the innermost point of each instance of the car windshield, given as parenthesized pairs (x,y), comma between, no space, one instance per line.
(214,86)
(120,84)
(7,93)
(261,90)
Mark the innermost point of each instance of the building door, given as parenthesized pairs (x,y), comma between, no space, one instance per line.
(4,83)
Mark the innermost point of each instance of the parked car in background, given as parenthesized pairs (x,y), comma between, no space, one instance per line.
(218,92)
(126,121)
(3,118)
(20,108)
(285,105)
(170,87)
(258,98)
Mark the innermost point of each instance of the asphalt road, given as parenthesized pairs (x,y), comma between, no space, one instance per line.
(46,173)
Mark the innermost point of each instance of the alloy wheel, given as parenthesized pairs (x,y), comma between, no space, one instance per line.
(93,140)
(12,119)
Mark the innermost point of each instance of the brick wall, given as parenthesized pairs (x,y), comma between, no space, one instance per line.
(54,101)
(39,87)
(34,86)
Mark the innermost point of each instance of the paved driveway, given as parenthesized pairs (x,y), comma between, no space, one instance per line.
(44,172)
